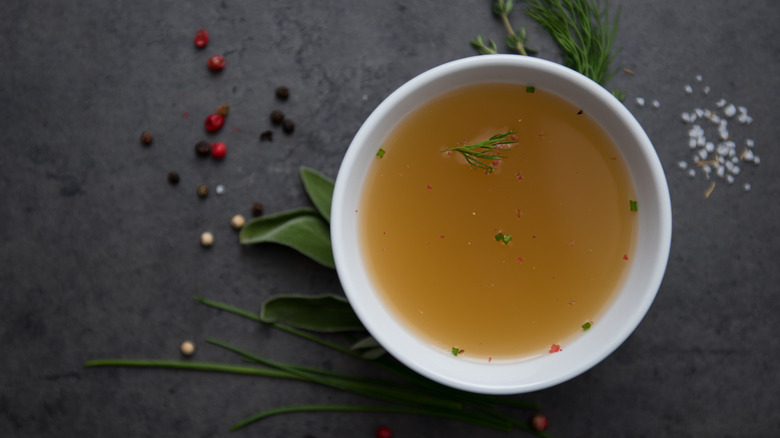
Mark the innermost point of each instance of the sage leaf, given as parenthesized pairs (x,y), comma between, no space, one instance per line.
(319,188)
(302,229)
(367,342)
(321,313)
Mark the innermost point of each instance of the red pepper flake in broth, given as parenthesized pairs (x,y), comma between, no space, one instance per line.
(442,236)
(519,260)
(428,187)
(519,213)
(519,176)
(625,256)
(185,115)
(490,359)
(555,348)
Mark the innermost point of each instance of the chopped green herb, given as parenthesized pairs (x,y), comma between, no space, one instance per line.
(455,351)
(530,89)
(501,237)
(380,153)
(633,205)
(586,326)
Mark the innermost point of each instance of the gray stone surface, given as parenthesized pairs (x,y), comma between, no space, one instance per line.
(99,255)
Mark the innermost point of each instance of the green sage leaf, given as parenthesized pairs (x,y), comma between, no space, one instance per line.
(322,313)
(320,190)
(302,229)
(367,342)
(374,353)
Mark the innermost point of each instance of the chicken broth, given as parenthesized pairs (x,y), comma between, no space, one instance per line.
(504,264)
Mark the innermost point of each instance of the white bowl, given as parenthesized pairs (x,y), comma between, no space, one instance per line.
(626,310)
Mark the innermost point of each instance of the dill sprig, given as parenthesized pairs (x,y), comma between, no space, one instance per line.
(485,153)
(584,32)
(514,40)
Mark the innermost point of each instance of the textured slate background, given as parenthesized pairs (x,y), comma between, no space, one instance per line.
(99,255)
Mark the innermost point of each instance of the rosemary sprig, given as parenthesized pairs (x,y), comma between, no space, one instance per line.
(583,30)
(514,40)
(484,153)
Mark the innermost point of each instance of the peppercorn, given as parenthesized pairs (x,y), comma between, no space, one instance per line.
(539,422)
(218,150)
(384,432)
(288,126)
(207,239)
(146,138)
(266,136)
(203,149)
(173,178)
(237,222)
(201,39)
(214,122)
(216,63)
(282,93)
(187,348)
(257,209)
(203,191)
(277,117)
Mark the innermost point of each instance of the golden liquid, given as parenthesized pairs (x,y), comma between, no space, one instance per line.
(429,221)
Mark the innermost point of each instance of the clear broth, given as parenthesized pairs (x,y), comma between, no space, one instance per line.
(428,221)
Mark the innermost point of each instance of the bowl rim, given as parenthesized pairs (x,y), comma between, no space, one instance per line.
(513,376)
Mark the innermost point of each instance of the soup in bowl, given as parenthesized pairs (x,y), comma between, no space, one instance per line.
(500,224)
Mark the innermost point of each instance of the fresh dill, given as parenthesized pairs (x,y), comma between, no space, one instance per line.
(485,154)
(515,40)
(583,30)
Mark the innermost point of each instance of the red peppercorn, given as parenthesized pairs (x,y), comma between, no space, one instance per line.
(218,150)
(216,63)
(384,432)
(214,122)
(539,422)
(201,38)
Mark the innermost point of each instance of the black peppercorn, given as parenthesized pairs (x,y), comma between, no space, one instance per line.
(288,126)
(203,149)
(203,191)
(277,117)
(146,138)
(282,93)
(266,136)
(173,178)
(257,209)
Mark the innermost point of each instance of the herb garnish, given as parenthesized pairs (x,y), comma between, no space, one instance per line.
(514,40)
(485,153)
(584,32)
(632,205)
(501,237)
(380,153)
(586,326)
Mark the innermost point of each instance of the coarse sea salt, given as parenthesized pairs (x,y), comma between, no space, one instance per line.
(713,144)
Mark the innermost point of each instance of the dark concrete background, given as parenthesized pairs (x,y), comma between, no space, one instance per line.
(99,255)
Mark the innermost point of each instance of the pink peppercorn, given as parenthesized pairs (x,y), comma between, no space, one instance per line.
(218,150)
(201,39)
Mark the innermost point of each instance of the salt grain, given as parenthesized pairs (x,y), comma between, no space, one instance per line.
(682,165)
(750,142)
(729,179)
(721,103)
(640,101)
(730,110)
(688,89)
(706,90)
(656,104)
(698,78)
(692,172)
(746,186)
(220,189)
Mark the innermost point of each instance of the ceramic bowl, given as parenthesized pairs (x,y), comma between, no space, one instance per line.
(637,291)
